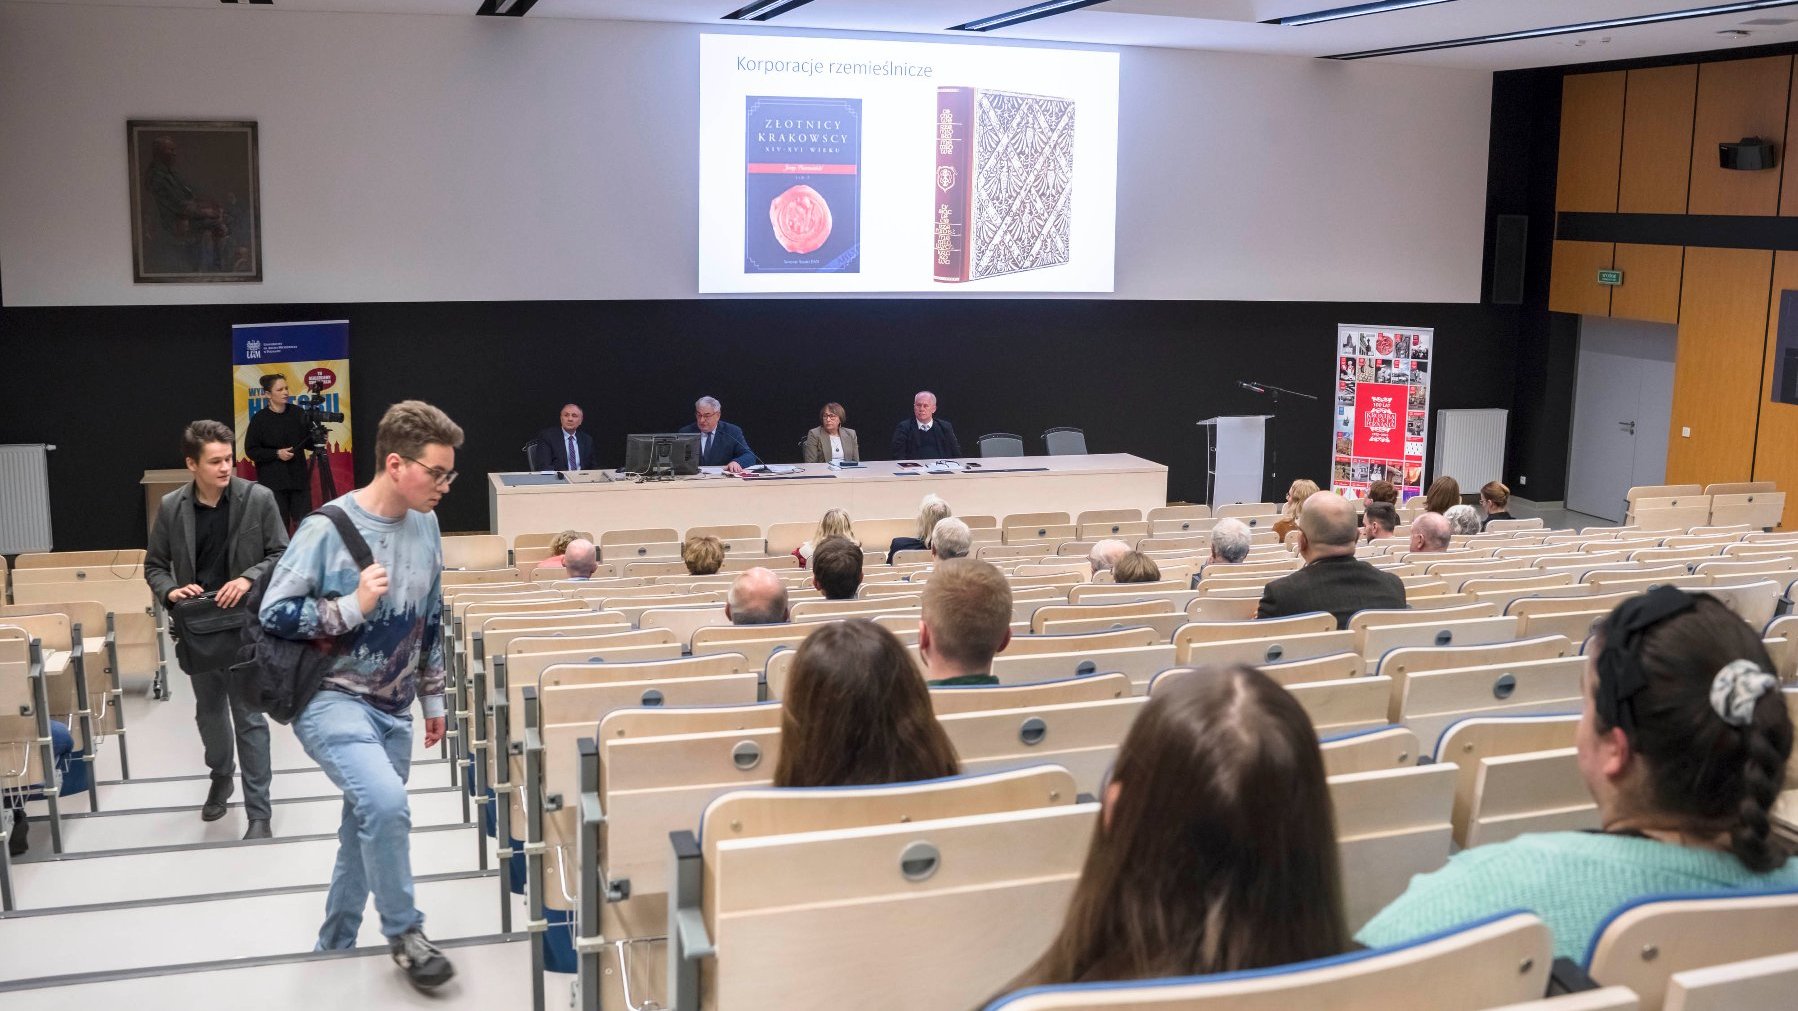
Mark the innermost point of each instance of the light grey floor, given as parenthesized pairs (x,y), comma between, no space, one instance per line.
(1554,516)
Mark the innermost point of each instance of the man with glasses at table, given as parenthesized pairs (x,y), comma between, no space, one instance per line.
(384,625)
(721,444)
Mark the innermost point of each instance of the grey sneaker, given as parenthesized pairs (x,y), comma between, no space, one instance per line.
(426,968)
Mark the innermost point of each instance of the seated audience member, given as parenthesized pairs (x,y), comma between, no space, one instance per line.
(1462,520)
(837,569)
(1495,500)
(931,511)
(1444,492)
(72,774)
(1333,579)
(834,523)
(1136,567)
(966,620)
(1430,532)
(1296,495)
(721,444)
(565,447)
(1191,870)
(1382,491)
(581,559)
(924,436)
(951,538)
(558,546)
(758,597)
(1683,740)
(1230,541)
(857,714)
(1104,555)
(704,556)
(1378,521)
(830,442)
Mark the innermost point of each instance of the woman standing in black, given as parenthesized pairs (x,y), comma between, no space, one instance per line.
(276,444)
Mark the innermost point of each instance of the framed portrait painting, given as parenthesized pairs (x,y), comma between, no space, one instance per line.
(196,214)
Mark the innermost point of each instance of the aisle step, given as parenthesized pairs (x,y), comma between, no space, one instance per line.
(492,974)
(36,947)
(208,871)
(141,828)
(186,791)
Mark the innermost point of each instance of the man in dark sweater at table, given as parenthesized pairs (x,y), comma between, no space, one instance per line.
(1333,579)
(966,621)
(924,436)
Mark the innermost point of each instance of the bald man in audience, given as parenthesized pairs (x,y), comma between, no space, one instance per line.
(1105,554)
(1430,532)
(966,621)
(581,559)
(1333,579)
(758,597)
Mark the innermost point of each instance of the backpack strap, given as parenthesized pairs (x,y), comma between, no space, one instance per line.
(352,538)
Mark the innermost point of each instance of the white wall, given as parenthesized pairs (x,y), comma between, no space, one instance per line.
(441,158)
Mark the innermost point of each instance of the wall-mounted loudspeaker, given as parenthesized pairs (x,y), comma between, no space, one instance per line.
(1751,154)
(1509,234)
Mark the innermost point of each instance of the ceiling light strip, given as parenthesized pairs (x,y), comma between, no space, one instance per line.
(1030,13)
(1358,10)
(763,10)
(1711,10)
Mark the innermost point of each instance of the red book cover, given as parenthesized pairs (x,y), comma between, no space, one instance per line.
(954,153)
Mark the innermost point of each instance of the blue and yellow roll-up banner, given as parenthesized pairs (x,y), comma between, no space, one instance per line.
(315,360)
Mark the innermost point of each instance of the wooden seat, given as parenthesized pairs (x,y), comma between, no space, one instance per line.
(1402,663)
(1211,608)
(988,862)
(1483,965)
(1264,650)
(1220,631)
(475,551)
(472,577)
(1037,645)
(1179,519)
(1338,707)
(1642,944)
(1139,663)
(1671,511)
(1376,641)
(1164,625)
(1539,791)
(1467,742)
(105,558)
(1373,617)
(1328,667)
(683,621)
(1754,602)
(989,552)
(1429,701)
(1245,510)
(1125,530)
(951,699)
(1082,737)
(1761,510)
(1505,526)
(1369,750)
(1576,626)
(1390,826)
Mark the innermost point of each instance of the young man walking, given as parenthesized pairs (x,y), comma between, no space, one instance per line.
(358,728)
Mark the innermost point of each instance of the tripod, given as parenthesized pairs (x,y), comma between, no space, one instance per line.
(318,443)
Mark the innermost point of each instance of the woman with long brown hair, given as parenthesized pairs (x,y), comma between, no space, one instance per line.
(1444,493)
(857,713)
(1216,850)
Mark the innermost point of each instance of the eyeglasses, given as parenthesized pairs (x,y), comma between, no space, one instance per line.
(438,474)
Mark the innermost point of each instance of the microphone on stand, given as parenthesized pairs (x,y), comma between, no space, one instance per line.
(1251,387)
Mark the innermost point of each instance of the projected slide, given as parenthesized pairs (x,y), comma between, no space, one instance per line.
(834,165)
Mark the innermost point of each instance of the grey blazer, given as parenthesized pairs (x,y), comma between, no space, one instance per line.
(817,445)
(257,537)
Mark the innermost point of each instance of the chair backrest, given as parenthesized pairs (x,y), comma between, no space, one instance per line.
(1264,650)
(1754,602)
(1369,750)
(472,577)
(1643,943)
(1465,743)
(474,551)
(883,604)
(949,700)
(1064,442)
(1001,444)
(1539,791)
(1046,613)
(110,557)
(1373,617)
(1390,826)
(1481,965)
(682,621)
(1244,510)
(1500,526)
(1038,645)
(1428,701)
(1756,982)
(1760,510)
(1378,640)
(1140,663)
(1341,706)
(1081,737)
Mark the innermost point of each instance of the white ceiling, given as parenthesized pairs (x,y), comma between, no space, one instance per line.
(1222,25)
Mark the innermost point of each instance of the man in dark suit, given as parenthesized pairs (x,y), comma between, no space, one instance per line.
(1333,579)
(568,447)
(924,436)
(217,535)
(721,444)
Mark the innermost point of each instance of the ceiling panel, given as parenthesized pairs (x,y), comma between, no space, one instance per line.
(1222,25)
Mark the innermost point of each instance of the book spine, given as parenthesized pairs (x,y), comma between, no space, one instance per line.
(954,158)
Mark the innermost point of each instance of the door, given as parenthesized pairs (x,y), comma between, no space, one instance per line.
(1623,402)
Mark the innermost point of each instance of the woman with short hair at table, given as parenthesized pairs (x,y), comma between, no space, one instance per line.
(830,442)
(931,511)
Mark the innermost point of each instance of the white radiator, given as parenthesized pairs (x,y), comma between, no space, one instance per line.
(1470,446)
(24,498)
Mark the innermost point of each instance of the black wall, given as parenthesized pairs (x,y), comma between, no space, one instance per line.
(111,387)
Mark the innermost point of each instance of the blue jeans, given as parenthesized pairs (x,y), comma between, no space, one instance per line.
(368,755)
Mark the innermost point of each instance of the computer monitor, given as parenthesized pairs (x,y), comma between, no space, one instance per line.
(662,453)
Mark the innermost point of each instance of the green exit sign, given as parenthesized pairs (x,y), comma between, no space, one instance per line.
(1610,277)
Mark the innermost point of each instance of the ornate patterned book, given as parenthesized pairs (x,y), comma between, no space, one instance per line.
(802,185)
(1004,182)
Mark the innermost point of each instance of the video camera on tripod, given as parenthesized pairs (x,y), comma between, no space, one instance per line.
(318,440)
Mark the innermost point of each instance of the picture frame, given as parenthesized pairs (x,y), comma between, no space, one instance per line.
(196,201)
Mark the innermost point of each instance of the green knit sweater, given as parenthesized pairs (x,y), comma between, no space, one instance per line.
(1572,880)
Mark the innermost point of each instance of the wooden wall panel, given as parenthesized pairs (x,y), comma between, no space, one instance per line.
(1717,376)
(1591,141)
(1776,444)
(1788,194)
(1737,99)
(1650,288)
(1573,278)
(1657,141)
